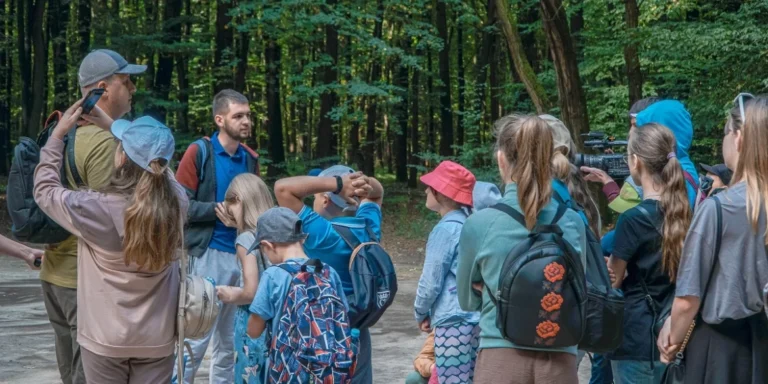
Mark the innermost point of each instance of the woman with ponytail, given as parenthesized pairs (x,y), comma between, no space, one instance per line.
(649,241)
(568,182)
(128,238)
(721,287)
(524,155)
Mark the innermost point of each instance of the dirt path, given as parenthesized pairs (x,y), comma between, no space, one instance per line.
(27,352)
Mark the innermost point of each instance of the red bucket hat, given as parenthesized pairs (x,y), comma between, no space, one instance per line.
(453,181)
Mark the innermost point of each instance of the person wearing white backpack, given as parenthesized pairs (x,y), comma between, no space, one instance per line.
(128,236)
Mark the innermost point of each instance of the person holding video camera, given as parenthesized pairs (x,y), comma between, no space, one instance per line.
(673,115)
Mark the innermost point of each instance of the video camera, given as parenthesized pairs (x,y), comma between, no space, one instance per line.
(614,165)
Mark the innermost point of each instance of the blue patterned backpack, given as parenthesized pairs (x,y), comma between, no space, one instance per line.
(313,342)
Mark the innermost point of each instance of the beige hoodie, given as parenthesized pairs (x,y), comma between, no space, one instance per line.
(122,311)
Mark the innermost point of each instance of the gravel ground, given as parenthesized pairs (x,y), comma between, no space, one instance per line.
(26,338)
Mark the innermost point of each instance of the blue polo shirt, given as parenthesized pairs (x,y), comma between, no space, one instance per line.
(227,167)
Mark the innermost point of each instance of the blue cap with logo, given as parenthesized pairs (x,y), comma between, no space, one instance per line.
(144,140)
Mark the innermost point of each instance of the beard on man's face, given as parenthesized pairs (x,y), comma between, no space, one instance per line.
(238,132)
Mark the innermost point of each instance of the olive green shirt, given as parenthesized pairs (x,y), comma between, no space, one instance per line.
(95,161)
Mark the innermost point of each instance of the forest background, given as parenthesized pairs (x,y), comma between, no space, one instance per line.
(389,86)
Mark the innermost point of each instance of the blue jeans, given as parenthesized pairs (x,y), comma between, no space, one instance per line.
(363,369)
(637,372)
(224,269)
(601,370)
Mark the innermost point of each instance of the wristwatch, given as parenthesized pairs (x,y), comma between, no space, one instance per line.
(339,185)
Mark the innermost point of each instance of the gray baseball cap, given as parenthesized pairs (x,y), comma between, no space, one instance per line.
(279,225)
(103,63)
(144,139)
(338,170)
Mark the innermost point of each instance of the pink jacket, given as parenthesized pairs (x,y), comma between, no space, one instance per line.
(122,312)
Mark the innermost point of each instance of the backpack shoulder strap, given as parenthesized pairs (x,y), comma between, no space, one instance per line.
(517,216)
(558,198)
(689,178)
(561,209)
(204,146)
(718,241)
(648,216)
(291,268)
(349,237)
(71,158)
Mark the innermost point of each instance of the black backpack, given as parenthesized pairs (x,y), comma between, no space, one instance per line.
(605,304)
(373,278)
(30,224)
(542,292)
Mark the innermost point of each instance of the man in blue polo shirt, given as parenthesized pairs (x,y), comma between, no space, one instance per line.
(346,198)
(207,168)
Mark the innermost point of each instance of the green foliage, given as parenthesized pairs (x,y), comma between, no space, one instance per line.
(702,53)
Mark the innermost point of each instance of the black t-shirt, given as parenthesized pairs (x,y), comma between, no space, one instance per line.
(638,242)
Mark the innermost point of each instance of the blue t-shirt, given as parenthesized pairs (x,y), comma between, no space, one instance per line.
(324,243)
(273,289)
(227,168)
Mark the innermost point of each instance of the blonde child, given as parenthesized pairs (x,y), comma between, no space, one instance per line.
(246,199)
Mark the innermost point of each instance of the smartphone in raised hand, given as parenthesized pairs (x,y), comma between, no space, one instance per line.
(91,99)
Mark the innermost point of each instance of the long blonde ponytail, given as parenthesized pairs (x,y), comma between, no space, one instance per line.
(526,142)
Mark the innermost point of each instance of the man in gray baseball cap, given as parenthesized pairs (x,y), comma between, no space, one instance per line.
(106,69)
(94,154)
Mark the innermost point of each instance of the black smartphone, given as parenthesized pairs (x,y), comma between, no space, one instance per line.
(91,99)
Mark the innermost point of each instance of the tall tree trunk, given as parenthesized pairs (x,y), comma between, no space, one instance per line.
(32,108)
(460,76)
(401,131)
(415,149)
(488,42)
(224,36)
(58,18)
(522,67)
(84,27)
(151,9)
(6,75)
(101,26)
(431,139)
(530,15)
(25,61)
(495,87)
(354,155)
(576,11)
(182,69)
(171,32)
(369,147)
(327,139)
(573,104)
(244,42)
(114,20)
(631,57)
(274,115)
(446,113)
(292,145)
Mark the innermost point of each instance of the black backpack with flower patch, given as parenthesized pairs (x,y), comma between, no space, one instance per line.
(542,291)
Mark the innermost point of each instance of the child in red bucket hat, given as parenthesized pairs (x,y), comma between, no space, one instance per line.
(449,193)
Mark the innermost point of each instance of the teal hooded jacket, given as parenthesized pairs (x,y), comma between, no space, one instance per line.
(673,115)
